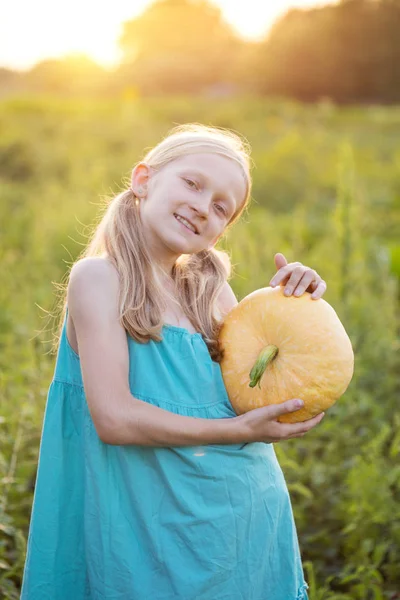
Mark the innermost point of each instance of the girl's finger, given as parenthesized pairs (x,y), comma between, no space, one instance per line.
(320,291)
(283,274)
(305,283)
(300,429)
(295,278)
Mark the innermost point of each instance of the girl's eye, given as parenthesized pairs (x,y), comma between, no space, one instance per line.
(220,208)
(190,181)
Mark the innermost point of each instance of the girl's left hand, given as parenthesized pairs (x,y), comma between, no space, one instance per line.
(297,278)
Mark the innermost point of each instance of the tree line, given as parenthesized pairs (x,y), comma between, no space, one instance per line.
(348,52)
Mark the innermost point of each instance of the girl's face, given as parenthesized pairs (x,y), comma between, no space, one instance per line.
(204,188)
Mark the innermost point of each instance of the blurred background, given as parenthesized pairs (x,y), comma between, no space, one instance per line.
(86,89)
(347,51)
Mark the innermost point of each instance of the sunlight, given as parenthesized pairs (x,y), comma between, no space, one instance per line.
(252,19)
(93,29)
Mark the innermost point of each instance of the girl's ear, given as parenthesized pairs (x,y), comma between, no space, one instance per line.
(140,177)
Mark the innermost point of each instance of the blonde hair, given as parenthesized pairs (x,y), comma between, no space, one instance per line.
(198,277)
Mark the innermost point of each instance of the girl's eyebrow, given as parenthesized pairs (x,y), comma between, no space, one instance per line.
(205,176)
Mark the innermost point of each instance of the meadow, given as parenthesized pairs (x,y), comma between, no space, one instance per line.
(326,193)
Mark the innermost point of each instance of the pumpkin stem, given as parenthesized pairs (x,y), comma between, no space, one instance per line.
(266,356)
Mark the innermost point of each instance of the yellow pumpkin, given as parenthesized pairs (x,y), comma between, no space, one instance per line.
(277,348)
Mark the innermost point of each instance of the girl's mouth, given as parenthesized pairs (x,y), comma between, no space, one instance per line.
(183,225)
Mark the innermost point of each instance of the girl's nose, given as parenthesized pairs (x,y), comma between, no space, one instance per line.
(201,206)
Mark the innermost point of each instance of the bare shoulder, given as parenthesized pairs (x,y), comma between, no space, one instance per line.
(94,267)
(92,276)
(226,299)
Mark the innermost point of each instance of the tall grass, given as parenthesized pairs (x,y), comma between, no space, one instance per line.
(326,193)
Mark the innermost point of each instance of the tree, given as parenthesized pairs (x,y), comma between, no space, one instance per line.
(178,46)
(68,75)
(349,52)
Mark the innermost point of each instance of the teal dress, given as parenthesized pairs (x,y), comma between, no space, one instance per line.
(130,522)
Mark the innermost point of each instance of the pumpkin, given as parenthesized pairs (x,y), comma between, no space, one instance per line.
(278,347)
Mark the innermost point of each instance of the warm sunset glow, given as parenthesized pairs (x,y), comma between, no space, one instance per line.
(51,29)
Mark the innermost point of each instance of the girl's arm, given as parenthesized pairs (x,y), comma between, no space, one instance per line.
(143,424)
(119,417)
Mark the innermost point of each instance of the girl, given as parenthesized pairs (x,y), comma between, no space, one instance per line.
(149,487)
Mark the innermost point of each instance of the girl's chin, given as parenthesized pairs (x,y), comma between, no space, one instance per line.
(180,246)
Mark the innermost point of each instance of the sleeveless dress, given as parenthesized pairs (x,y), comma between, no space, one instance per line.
(130,522)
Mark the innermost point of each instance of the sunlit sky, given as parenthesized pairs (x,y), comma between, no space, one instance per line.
(31,31)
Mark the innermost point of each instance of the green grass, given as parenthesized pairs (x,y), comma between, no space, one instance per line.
(326,193)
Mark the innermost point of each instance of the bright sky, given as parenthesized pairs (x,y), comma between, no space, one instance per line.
(33,30)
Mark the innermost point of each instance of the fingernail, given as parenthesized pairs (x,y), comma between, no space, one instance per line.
(299,403)
(287,292)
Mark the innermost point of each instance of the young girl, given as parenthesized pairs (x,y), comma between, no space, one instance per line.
(149,486)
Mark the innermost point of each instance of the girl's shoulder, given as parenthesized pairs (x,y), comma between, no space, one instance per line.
(94,266)
(93,279)
(226,299)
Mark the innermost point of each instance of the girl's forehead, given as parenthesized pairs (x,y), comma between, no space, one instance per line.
(204,159)
(211,166)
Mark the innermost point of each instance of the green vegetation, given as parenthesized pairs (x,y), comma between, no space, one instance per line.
(326,193)
(347,51)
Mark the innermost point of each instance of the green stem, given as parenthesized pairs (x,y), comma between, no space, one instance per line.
(266,356)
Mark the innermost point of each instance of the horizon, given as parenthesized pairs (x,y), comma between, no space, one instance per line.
(251,22)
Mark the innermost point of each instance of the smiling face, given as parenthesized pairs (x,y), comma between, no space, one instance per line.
(204,188)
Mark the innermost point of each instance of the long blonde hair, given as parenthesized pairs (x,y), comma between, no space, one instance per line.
(198,277)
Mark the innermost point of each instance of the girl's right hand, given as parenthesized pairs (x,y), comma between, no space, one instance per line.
(261,424)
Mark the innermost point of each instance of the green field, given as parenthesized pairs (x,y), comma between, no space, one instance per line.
(326,193)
